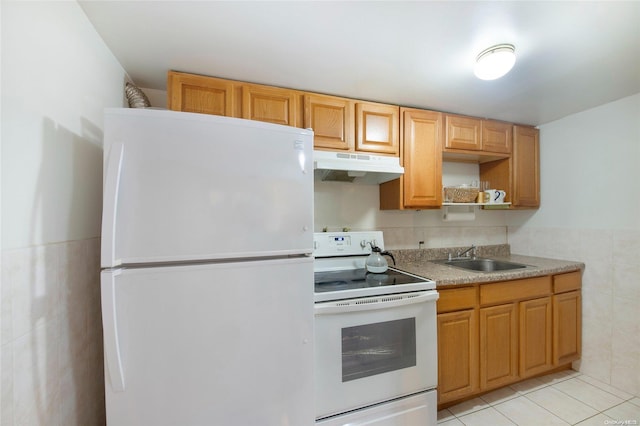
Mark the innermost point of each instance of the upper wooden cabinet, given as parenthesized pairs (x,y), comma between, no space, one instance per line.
(519,174)
(474,139)
(421,155)
(349,125)
(496,136)
(270,104)
(462,133)
(196,93)
(377,128)
(526,167)
(216,96)
(332,120)
(508,155)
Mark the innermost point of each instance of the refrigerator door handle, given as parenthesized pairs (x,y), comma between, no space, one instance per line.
(110,329)
(110,203)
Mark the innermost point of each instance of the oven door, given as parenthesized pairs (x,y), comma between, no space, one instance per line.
(374,349)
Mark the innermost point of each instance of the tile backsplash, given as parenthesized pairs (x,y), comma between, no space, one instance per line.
(437,237)
(51,348)
(610,295)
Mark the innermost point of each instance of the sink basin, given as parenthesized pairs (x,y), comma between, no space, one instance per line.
(483,265)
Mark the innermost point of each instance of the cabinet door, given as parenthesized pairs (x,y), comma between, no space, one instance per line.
(196,93)
(535,336)
(496,136)
(462,133)
(422,158)
(457,355)
(377,128)
(498,346)
(270,104)
(421,155)
(332,120)
(567,327)
(526,167)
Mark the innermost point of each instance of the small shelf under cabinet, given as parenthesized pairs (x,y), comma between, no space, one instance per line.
(476,204)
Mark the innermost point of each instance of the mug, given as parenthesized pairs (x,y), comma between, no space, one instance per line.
(494,196)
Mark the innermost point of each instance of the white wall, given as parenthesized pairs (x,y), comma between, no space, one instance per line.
(590,185)
(57,77)
(590,177)
(55,84)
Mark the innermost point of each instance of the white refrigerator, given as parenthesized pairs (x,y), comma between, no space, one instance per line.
(207,274)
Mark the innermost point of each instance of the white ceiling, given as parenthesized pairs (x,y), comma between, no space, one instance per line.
(571,56)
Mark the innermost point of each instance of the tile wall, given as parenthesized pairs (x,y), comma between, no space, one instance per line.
(610,295)
(51,348)
(436,237)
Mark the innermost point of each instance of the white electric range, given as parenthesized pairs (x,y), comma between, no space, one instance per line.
(376,341)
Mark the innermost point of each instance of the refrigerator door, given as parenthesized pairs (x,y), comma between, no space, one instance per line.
(182,186)
(209,344)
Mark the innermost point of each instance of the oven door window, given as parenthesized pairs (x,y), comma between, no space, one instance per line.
(378,348)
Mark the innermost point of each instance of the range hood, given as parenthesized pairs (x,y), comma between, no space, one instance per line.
(355,167)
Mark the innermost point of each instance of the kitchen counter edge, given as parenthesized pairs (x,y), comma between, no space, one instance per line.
(448,276)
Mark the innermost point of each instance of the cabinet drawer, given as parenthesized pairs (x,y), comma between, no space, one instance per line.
(456,299)
(567,282)
(509,291)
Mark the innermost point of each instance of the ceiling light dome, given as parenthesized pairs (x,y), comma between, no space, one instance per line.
(495,61)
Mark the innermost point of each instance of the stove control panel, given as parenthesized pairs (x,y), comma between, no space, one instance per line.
(327,244)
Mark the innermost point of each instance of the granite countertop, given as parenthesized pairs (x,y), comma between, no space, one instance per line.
(420,262)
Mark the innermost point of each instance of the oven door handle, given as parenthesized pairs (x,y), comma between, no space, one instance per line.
(376,302)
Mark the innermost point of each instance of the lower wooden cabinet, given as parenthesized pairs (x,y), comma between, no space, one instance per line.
(567,327)
(494,334)
(457,355)
(498,346)
(567,317)
(535,337)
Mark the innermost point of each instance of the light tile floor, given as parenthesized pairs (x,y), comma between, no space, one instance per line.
(564,398)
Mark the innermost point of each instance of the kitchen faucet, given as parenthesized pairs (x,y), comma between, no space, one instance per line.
(465,253)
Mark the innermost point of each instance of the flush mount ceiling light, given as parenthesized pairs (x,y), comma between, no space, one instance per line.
(495,61)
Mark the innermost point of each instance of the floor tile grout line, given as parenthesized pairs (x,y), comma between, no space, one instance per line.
(556,380)
(590,417)
(585,403)
(617,405)
(604,390)
(482,409)
(547,410)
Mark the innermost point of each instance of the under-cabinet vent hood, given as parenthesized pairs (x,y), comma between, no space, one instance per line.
(355,167)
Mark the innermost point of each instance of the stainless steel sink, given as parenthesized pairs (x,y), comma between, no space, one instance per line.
(482,265)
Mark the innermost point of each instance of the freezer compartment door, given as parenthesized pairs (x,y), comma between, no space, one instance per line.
(214,344)
(182,186)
